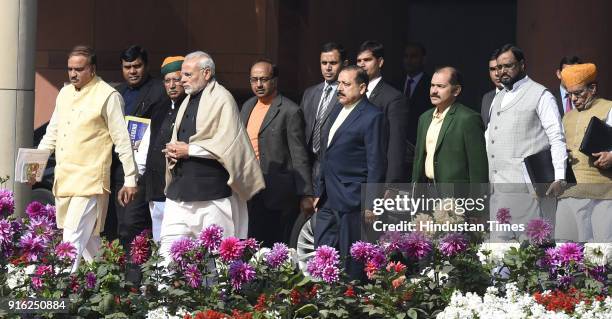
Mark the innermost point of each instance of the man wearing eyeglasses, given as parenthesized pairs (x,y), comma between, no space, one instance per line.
(589,202)
(211,169)
(275,126)
(524,121)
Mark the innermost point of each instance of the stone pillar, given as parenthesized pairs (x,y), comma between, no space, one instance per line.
(18,45)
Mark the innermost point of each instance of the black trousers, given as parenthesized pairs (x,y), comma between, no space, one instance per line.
(126,222)
(269,225)
(340,230)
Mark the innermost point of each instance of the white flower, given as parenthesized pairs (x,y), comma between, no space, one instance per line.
(162,313)
(598,254)
(516,305)
(493,253)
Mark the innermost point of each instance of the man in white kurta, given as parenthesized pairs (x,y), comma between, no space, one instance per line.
(212,169)
(86,123)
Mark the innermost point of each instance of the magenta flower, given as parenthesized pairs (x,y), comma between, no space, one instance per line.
(391,241)
(538,231)
(35,210)
(330,274)
(180,247)
(551,259)
(565,280)
(43,227)
(319,266)
(570,252)
(251,243)
(240,273)
(416,246)
(278,255)
(90,280)
(193,276)
(453,244)
(231,249)
(7,202)
(37,282)
(65,251)
(139,248)
(368,253)
(211,237)
(503,216)
(6,232)
(32,246)
(42,270)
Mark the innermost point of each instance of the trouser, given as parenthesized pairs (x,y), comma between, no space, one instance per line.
(340,230)
(188,219)
(269,225)
(157,215)
(87,243)
(584,220)
(127,222)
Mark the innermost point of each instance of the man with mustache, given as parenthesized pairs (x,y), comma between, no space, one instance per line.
(86,123)
(275,126)
(450,141)
(211,168)
(487,98)
(355,155)
(524,121)
(318,101)
(150,159)
(142,94)
(589,202)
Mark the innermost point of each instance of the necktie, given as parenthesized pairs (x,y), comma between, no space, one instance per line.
(316,135)
(568,104)
(408,89)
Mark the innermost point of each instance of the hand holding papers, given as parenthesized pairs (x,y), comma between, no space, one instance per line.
(30,165)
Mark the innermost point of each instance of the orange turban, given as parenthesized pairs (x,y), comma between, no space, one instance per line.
(578,74)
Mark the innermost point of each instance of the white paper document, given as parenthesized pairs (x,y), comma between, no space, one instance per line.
(30,164)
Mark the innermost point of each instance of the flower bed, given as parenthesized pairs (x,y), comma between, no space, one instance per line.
(415,275)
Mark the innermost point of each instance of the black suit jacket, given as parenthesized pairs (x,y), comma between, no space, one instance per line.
(310,104)
(485,107)
(395,108)
(282,152)
(419,103)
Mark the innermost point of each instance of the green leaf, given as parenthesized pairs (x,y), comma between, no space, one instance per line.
(306,310)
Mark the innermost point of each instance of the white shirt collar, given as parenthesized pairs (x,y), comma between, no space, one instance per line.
(351,106)
(519,83)
(372,84)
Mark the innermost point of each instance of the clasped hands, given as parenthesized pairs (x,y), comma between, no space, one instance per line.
(176,150)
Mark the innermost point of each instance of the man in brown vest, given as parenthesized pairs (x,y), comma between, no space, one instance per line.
(87,121)
(590,200)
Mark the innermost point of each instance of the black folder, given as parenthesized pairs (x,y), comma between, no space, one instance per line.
(597,138)
(542,172)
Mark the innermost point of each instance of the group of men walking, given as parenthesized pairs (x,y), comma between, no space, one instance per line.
(253,169)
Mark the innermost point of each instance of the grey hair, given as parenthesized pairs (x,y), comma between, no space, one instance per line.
(205,61)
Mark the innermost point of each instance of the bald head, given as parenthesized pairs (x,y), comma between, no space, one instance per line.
(263,80)
(446,85)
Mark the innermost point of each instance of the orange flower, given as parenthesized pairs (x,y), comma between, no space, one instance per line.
(398,282)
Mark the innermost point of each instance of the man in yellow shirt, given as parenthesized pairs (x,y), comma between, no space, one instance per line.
(86,123)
